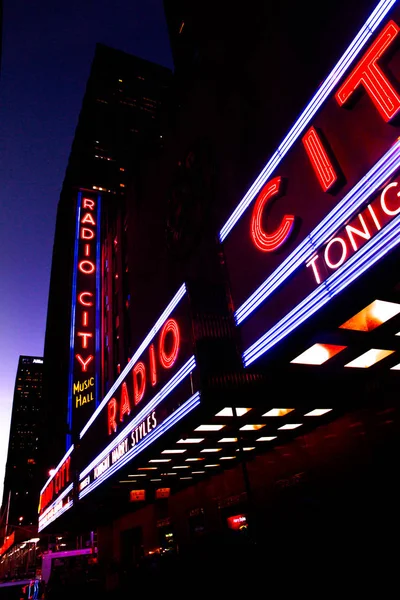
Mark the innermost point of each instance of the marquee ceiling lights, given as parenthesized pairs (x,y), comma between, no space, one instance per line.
(267,438)
(197,472)
(147,469)
(181,467)
(211,450)
(252,427)
(395,368)
(278,412)
(228,412)
(209,427)
(177,451)
(247,449)
(190,441)
(372,316)
(160,460)
(317,354)
(318,412)
(227,457)
(227,439)
(366,360)
(193,459)
(288,426)
(212,466)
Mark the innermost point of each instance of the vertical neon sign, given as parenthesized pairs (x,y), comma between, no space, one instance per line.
(83,391)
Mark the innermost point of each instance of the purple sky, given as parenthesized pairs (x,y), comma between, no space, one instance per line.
(47,52)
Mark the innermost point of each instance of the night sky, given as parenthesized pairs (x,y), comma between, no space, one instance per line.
(47,52)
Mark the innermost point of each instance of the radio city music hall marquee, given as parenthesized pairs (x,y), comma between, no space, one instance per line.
(326,206)
(85,346)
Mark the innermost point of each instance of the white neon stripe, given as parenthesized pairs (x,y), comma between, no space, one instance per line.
(359,194)
(57,468)
(153,331)
(367,256)
(58,514)
(187,368)
(307,115)
(176,416)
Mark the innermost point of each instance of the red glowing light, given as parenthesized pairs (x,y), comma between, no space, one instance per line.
(125,407)
(319,159)
(371,77)
(88,218)
(88,203)
(83,362)
(86,233)
(87,250)
(268,242)
(85,318)
(86,267)
(153,366)
(139,372)
(237,522)
(84,336)
(167,359)
(112,413)
(81,298)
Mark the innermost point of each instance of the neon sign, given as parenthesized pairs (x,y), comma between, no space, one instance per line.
(85,336)
(57,482)
(328,196)
(168,350)
(356,233)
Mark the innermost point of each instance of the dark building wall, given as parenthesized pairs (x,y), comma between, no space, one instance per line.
(23,474)
(310,505)
(118,126)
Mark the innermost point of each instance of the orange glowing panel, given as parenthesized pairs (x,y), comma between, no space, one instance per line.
(372,316)
(317,354)
(369,358)
(278,412)
(252,427)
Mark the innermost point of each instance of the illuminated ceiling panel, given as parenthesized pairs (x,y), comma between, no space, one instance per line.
(232,439)
(177,451)
(252,427)
(228,412)
(317,354)
(290,426)
(278,412)
(267,438)
(369,358)
(209,427)
(190,441)
(372,316)
(395,368)
(318,412)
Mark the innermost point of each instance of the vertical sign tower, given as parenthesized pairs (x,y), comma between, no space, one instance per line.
(83,387)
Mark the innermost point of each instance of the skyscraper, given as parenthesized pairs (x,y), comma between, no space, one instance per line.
(22,478)
(119,126)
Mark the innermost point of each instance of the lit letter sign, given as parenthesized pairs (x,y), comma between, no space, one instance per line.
(85,337)
(369,75)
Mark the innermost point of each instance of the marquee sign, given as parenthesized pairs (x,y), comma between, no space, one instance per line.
(155,390)
(326,206)
(85,317)
(56,496)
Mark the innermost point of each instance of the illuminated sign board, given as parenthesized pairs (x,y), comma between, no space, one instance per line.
(155,391)
(8,542)
(137,495)
(56,495)
(237,523)
(85,317)
(325,208)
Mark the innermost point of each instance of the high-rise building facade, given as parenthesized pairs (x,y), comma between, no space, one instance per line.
(119,126)
(22,480)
